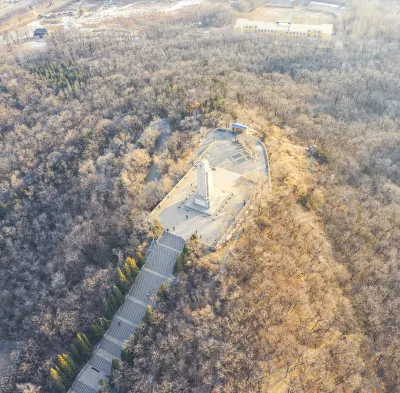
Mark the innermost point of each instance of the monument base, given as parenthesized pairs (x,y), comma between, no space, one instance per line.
(212,205)
(202,202)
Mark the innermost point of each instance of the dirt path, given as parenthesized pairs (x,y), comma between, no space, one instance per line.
(165,126)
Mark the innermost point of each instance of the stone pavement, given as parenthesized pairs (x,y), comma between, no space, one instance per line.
(232,156)
(233,166)
(157,269)
(175,216)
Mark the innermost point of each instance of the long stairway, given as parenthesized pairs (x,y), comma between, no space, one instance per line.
(157,269)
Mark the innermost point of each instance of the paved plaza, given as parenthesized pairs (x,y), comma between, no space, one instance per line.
(225,153)
(177,218)
(232,167)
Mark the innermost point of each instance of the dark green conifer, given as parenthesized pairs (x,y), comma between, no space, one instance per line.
(140,260)
(122,282)
(107,308)
(178,267)
(57,381)
(75,354)
(84,348)
(118,296)
(97,331)
(162,293)
(115,364)
(65,367)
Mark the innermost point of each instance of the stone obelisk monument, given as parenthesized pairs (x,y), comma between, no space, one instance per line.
(205,185)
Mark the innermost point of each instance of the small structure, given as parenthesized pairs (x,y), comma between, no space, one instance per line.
(236,127)
(40,32)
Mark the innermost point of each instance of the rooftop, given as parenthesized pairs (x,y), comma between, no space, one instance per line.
(284,26)
(241,126)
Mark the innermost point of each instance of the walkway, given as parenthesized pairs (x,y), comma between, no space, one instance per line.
(233,156)
(157,269)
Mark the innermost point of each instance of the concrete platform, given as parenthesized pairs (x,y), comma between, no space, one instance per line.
(235,166)
(182,220)
(230,155)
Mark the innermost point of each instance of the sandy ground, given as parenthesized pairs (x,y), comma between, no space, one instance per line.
(294,15)
(32,46)
(139,9)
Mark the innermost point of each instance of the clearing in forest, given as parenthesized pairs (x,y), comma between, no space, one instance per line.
(237,163)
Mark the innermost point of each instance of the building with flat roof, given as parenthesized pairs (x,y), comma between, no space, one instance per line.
(236,127)
(40,32)
(284,29)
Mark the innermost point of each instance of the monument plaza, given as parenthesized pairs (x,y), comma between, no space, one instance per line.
(214,192)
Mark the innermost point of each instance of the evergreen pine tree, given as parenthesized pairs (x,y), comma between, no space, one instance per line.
(62,376)
(126,356)
(179,265)
(113,303)
(70,361)
(107,323)
(84,349)
(115,364)
(97,331)
(131,269)
(122,282)
(139,259)
(119,297)
(83,335)
(57,381)
(123,355)
(75,354)
(162,293)
(107,308)
(65,367)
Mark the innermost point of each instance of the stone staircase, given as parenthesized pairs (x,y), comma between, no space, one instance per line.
(158,269)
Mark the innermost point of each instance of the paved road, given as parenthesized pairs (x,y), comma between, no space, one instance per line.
(158,268)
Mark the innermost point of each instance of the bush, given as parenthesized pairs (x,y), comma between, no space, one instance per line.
(140,260)
(321,156)
(179,264)
(122,281)
(162,293)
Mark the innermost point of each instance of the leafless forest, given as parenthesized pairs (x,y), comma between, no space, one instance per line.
(310,289)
